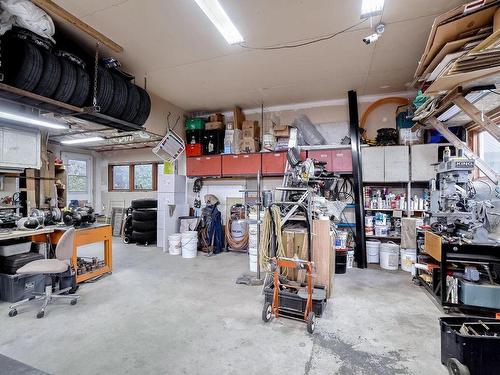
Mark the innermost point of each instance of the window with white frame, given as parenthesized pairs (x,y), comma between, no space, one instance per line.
(489,150)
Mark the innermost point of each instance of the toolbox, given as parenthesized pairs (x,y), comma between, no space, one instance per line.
(15,288)
(481,353)
(296,301)
(11,264)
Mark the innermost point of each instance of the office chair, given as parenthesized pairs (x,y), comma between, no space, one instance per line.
(49,268)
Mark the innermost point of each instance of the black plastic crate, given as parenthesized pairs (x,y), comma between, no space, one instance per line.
(194,136)
(15,288)
(213,141)
(295,302)
(481,354)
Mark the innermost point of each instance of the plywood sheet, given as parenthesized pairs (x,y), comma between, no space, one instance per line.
(322,253)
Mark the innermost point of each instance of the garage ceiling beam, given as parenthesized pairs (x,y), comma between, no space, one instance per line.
(54,9)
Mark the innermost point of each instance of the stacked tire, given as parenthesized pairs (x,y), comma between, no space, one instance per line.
(144,221)
(32,63)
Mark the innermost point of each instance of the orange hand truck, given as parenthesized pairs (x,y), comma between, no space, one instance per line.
(306,314)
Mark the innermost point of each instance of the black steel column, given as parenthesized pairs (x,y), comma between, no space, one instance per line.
(360,250)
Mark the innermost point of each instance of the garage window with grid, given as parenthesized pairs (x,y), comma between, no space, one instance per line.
(133,177)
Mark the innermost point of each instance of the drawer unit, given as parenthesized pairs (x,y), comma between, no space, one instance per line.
(341,160)
(273,163)
(322,155)
(204,166)
(242,164)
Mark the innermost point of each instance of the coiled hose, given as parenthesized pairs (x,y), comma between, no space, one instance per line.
(237,245)
(272,218)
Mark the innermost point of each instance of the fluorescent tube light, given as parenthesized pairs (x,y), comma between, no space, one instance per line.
(214,11)
(454,110)
(81,140)
(31,120)
(370,8)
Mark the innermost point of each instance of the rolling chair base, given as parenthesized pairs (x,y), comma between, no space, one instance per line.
(46,298)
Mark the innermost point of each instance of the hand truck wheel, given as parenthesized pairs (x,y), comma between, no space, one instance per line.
(456,368)
(311,318)
(267,312)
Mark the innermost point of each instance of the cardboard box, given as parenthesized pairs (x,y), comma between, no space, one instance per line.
(232,140)
(247,124)
(238,117)
(214,125)
(282,131)
(252,133)
(216,117)
(249,145)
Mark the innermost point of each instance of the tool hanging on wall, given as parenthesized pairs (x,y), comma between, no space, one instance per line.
(197,186)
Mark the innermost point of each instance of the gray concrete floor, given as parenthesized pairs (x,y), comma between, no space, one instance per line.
(159,314)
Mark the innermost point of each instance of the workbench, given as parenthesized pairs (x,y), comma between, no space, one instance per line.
(445,254)
(83,236)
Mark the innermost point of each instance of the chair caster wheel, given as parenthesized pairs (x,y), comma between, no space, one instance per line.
(311,319)
(40,314)
(126,240)
(73,302)
(12,313)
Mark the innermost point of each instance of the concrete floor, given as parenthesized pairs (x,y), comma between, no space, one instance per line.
(159,314)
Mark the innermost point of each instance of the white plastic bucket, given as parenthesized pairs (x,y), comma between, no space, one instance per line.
(174,244)
(389,256)
(341,240)
(382,230)
(253,262)
(350,258)
(189,242)
(372,250)
(408,258)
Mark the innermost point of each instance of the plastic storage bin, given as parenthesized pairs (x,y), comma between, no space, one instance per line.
(14,288)
(195,124)
(14,247)
(480,354)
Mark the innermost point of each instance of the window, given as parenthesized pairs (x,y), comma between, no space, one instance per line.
(133,177)
(489,150)
(121,177)
(77,176)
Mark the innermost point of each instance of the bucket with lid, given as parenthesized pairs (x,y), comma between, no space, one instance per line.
(189,241)
(389,256)
(174,244)
(408,259)
(372,251)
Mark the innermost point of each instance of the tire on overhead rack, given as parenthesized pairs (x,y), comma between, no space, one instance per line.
(67,84)
(144,107)
(105,89)
(133,102)
(51,75)
(120,95)
(82,84)
(23,65)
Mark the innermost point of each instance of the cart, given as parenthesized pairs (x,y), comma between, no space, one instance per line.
(470,345)
(306,313)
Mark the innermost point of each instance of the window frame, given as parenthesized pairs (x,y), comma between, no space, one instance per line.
(87,178)
(131,176)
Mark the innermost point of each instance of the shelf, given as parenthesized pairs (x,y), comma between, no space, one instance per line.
(346,225)
(392,209)
(9,207)
(383,237)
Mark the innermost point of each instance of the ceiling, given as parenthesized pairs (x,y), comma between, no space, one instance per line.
(187,62)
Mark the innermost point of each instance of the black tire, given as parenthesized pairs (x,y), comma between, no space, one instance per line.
(144,236)
(73,302)
(133,102)
(82,88)
(311,318)
(267,312)
(143,226)
(12,313)
(23,64)
(144,215)
(126,240)
(144,203)
(67,84)
(456,368)
(119,97)
(51,75)
(105,88)
(144,107)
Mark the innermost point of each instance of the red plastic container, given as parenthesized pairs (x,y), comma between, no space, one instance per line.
(193,149)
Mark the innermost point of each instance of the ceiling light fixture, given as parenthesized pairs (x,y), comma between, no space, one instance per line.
(31,120)
(370,8)
(81,140)
(214,11)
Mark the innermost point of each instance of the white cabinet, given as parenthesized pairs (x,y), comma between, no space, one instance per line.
(385,164)
(19,149)
(423,160)
(397,164)
(372,163)
(171,205)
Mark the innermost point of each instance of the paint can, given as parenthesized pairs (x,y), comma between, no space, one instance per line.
(408,259)
(372,251)
(389,256)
